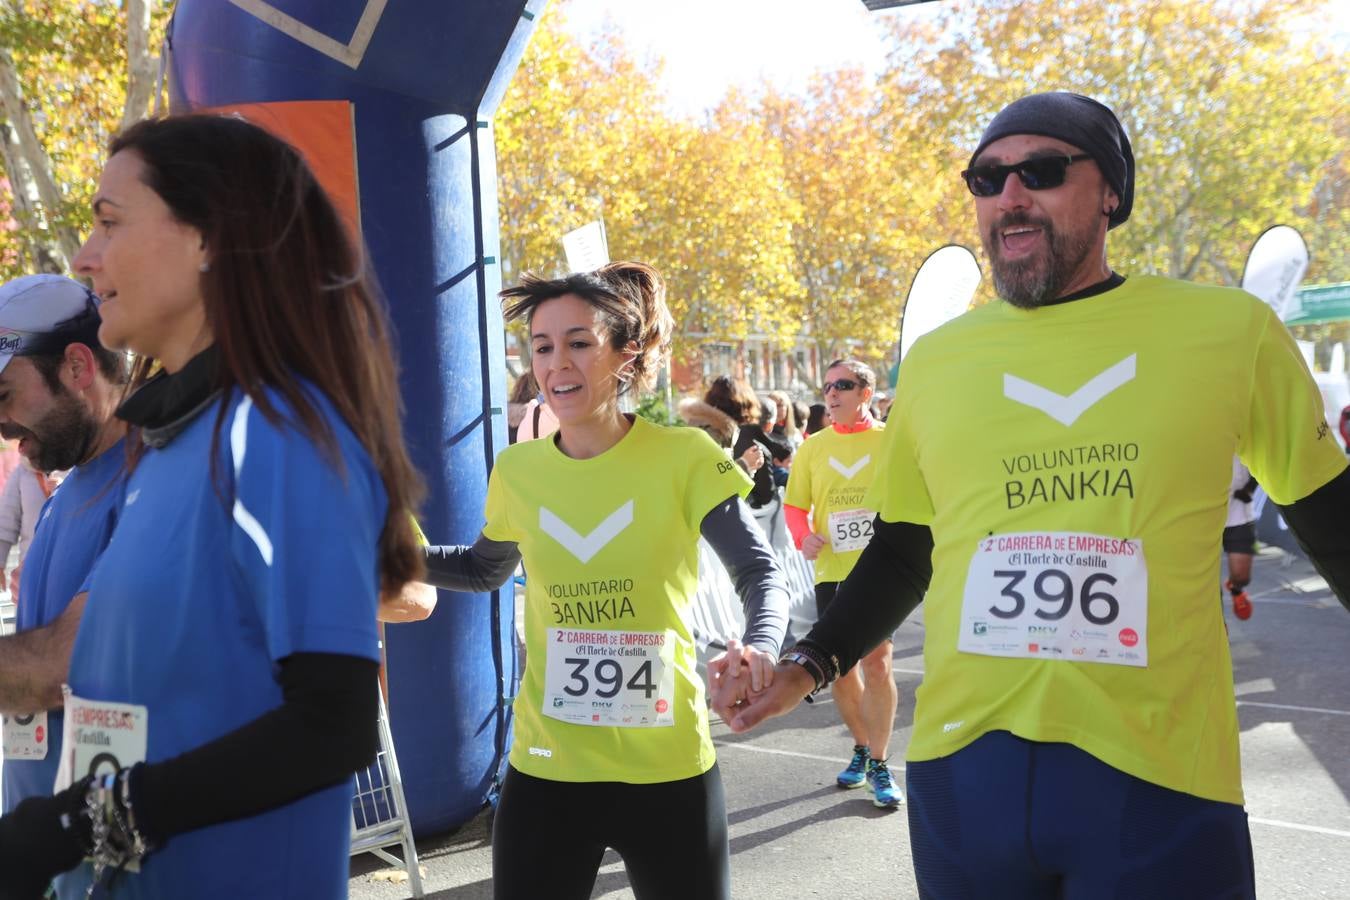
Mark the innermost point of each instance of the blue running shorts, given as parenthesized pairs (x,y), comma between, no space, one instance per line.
(1015,819)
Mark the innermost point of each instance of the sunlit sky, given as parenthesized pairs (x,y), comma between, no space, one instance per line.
(711,45)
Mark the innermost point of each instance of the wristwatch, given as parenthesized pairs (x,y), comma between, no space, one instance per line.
(810,665)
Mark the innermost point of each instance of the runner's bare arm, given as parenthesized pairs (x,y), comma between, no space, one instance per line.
(414,603)
(1321,522)
(484,565)
(34,664)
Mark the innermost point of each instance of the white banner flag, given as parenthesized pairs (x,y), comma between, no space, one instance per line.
(586,247)
(942,290)
(1275,267)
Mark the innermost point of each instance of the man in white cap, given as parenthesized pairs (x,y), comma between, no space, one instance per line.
(59,389)
(1076,732)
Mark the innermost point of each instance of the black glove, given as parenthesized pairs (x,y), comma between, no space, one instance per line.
(36,845)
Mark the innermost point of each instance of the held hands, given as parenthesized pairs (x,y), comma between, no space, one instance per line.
(812,545)
(742,707)
(737,662)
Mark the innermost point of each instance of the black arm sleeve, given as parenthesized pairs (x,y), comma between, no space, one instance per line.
(1321,522)
(484,566)
(743,549)
(887,583)
(323,731)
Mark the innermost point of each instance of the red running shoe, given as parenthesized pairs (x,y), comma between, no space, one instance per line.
(1242,605)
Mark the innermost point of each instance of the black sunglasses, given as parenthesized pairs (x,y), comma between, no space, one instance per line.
(1037,174)
(842,384)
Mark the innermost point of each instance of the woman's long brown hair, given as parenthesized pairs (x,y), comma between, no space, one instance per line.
(288,298)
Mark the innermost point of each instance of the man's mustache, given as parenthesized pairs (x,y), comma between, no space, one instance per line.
(14,432)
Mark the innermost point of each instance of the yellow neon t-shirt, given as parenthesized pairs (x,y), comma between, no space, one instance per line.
(1073,462)
(610,546)
(830,477)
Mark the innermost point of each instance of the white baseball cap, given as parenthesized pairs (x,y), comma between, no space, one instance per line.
(41,314)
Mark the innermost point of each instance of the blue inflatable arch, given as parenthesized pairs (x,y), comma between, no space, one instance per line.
(415,84)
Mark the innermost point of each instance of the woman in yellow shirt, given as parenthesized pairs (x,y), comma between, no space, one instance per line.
(611,745)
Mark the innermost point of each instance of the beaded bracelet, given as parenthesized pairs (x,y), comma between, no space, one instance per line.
(139,845)
(823,667)
(114,840)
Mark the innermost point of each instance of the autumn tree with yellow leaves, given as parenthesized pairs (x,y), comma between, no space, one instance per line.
(72,72)
(796,215)
(581,135)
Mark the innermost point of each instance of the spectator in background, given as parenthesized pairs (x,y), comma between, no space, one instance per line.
(784,424)
(802,413)
(737,399)
(723,430)
(1239,538)
(881,406)
(815,418)
(536,419)
(21,502)
(778,467)
(9,460)
(522,392)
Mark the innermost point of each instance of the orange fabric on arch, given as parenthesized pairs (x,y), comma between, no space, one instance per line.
(324,133)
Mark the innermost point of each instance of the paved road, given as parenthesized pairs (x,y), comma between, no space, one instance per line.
(793,834)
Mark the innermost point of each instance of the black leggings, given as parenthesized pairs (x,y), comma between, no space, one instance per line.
(825,591)
(549,837)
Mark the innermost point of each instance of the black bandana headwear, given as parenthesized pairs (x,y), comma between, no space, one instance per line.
(1076,120)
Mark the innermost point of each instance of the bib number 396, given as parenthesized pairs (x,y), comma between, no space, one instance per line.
(1057,595)
(610,678)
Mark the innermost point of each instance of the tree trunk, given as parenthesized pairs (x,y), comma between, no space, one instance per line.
(142,73)
(30,174)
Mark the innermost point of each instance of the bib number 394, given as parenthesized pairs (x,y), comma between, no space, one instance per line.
(1057,595)
(610,678)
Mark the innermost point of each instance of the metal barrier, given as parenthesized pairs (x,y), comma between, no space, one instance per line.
(379,812)
(717,612)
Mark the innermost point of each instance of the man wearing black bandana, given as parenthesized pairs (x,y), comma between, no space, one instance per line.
(58,390)
(1076,731)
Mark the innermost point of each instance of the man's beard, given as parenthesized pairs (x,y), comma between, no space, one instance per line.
(1040,278)
(63,437)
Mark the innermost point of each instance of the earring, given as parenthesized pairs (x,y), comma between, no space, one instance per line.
(204,268)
